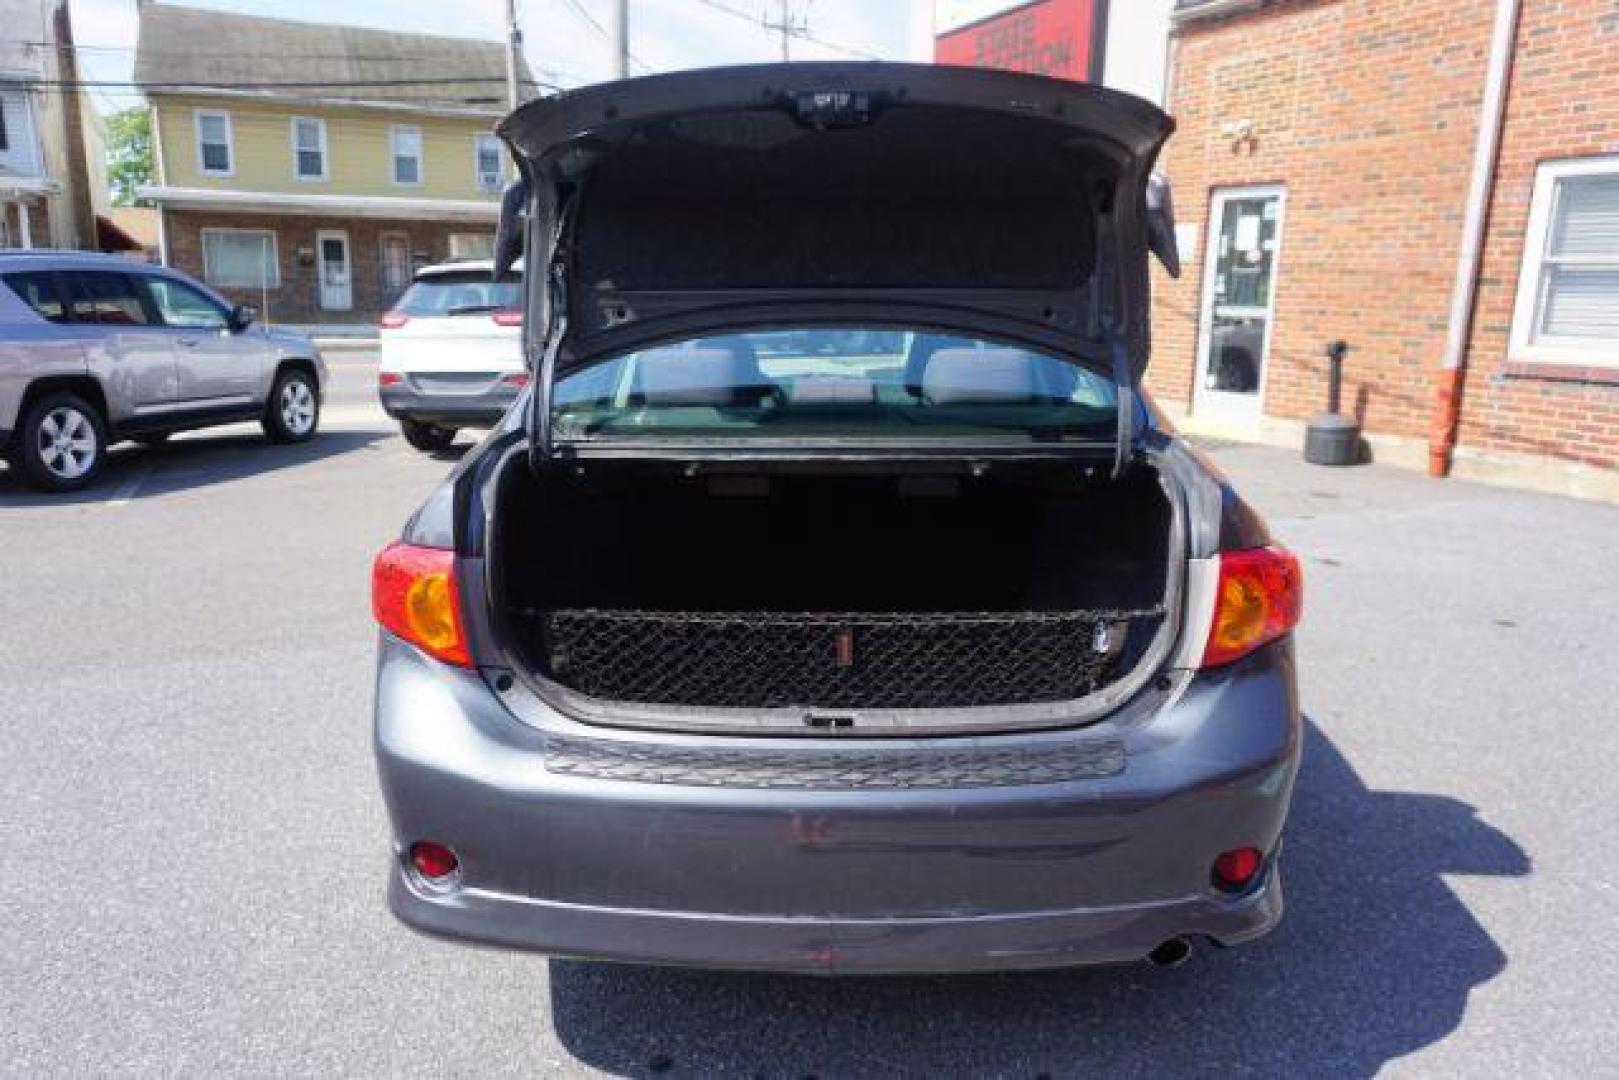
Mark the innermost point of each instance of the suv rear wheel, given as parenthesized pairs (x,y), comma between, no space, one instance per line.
(293,410)
(426,437)
(61,443)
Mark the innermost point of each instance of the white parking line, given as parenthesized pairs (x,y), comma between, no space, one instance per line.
(127,489)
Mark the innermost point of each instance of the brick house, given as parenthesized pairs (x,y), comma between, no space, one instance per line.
(307,169)
(1322,171)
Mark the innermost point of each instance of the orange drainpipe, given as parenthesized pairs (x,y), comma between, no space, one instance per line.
(1447,412)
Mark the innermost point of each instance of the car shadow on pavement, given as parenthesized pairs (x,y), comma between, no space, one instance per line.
(133,472)
(1375,959)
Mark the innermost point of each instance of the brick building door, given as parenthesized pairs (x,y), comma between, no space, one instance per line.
(336,278)
(1239,302)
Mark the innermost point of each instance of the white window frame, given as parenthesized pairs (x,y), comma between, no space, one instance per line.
(275,257)
(479,141)
(197,117)
(393,155)
(1532,276)
(325,153)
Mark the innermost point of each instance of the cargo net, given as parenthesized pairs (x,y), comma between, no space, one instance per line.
(838,660)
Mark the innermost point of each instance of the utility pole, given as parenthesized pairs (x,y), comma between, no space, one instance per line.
(788,26)
(514,50)
(621,39)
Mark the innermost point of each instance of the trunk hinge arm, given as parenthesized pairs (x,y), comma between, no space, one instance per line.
(1125,381)
(539,447)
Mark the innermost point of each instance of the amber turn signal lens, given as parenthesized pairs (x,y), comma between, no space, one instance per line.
(413,595)
(1260,597)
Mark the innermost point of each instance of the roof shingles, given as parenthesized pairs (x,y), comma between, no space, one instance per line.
(190,47)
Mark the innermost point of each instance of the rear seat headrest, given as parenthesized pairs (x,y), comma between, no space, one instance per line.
(981,376)
(703,376)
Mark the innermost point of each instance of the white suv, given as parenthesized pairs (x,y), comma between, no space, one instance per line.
(452,352)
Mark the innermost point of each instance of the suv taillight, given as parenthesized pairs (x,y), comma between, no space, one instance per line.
(413,595)
(393,320)
(1260,598)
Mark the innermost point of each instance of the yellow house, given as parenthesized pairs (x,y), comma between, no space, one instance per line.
(308,168)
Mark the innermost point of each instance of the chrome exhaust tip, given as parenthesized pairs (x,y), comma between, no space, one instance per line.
(1171,953)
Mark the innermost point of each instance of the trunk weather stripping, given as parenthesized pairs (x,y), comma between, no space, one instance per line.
(539,446)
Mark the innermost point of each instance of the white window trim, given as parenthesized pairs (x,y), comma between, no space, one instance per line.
(1532,273)
(393,155)
(478,141)
(197,117)
(325,153)
(275,257)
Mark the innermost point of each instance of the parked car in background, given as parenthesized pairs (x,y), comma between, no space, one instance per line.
(842,605)
(95,349)
(452,352)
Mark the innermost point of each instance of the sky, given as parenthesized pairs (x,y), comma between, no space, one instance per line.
(559,39)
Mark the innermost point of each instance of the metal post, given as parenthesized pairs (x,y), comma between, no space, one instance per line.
(786,30)
(514,49)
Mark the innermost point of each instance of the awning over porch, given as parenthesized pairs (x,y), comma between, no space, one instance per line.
(275,202)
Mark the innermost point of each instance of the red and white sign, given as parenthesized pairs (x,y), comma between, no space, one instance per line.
(1046,37)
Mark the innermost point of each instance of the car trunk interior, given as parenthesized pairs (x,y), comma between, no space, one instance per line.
(940,589)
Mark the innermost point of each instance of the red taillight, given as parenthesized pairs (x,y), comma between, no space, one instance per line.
(1235,870)
(508,318)
(517,379)
(389,378)
(1260,597)
(393,320)
(413,595)
(435,862)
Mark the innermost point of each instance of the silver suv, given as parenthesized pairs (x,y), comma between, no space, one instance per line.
(95,349)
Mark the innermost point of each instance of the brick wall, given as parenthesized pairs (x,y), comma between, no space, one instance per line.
(297,298)
(1367,112)
(1564,103)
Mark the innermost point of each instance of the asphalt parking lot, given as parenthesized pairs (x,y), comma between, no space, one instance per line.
(192,846)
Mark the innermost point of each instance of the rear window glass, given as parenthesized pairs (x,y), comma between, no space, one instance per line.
(837,382)
(38,290)
(463,293)
(109,299)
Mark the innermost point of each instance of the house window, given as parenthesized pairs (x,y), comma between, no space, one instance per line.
(491,170)
(240,258)
(472,245)
(309,148)
(18,153)
(213,143)
(1568,289)
(407,155)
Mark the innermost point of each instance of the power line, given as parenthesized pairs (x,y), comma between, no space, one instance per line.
(580,10)
(793,29)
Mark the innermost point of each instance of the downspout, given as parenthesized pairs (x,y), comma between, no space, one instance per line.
(1448,401)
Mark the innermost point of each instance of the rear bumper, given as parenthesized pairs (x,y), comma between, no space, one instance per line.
(888,946)
(451,410)
(725,870)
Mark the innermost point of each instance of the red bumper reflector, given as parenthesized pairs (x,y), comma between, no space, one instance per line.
(435,862)
(1235,870)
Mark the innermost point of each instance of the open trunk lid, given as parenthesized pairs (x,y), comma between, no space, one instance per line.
(1008,205)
